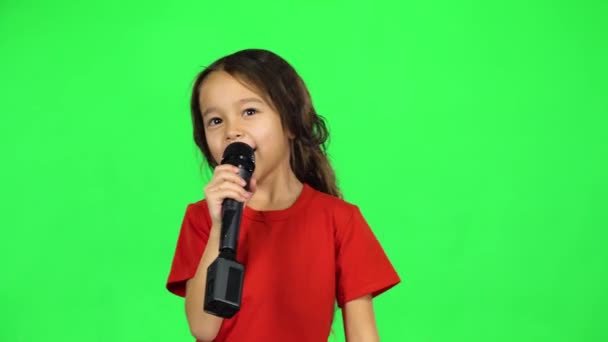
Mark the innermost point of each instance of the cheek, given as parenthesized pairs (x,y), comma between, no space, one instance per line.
(273,132)
(214,149)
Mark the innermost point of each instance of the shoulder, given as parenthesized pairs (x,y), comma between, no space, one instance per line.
(197,206)
(349,225)
(340,210)
(198,213)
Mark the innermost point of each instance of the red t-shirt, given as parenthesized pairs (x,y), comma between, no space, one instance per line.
(298,262)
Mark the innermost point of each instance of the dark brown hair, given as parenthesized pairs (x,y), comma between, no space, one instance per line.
(285,91)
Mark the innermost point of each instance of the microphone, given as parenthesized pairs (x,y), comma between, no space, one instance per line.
(225,274)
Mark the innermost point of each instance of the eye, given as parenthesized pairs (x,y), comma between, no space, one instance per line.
(214,121)
(250,111)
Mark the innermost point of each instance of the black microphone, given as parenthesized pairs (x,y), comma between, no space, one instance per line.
(225,274)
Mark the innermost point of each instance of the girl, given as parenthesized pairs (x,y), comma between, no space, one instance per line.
(303,247)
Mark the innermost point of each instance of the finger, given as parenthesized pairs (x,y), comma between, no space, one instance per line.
(227,176)
(225,168)
(253,185)
(232,194)
(228,189)
(237,196)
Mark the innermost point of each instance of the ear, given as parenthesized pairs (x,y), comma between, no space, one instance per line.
(289,134)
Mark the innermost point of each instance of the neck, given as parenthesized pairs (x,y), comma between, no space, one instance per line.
(277,191)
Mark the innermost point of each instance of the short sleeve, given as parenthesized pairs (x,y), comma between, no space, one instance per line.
(362,266)
(191,243)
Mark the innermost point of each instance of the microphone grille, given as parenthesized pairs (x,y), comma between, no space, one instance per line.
(239,153)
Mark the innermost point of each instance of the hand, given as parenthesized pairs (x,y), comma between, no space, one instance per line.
(226,183)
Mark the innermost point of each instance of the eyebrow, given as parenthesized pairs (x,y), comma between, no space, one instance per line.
(241,101)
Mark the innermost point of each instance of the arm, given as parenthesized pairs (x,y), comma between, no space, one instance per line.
(359,321)
(203,326)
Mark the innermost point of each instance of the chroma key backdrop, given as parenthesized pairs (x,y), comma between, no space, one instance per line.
(473,136)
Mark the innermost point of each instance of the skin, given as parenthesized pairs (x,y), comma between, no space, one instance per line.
(232,111)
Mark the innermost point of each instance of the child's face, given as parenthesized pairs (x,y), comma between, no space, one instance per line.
(233,112)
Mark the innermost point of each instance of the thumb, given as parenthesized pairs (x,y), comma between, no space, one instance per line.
(252,188)
(253,184)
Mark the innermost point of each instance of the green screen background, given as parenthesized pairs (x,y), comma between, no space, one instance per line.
(472,135)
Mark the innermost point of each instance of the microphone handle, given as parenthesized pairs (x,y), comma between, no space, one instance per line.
(232,211)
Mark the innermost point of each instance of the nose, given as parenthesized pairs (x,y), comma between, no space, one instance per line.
(233,132)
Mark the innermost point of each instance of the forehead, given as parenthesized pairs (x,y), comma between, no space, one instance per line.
(221,88)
